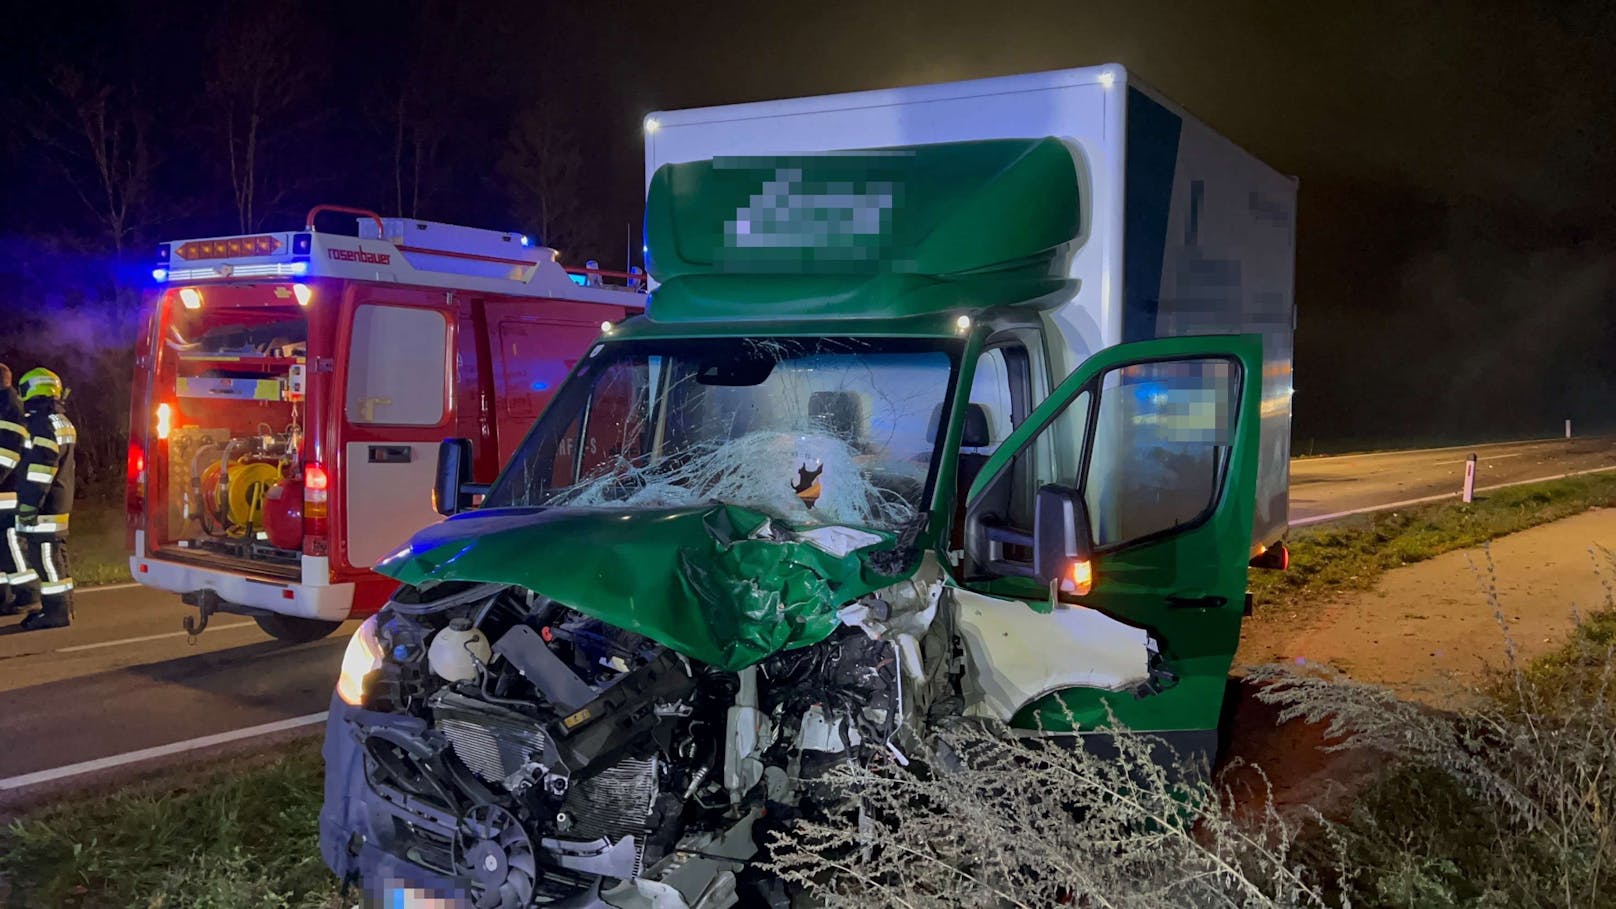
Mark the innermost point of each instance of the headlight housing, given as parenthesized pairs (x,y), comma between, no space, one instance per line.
(363,656)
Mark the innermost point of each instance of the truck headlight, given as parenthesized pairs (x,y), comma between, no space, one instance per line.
(363,656)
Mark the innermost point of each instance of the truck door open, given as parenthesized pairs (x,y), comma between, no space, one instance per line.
(395,409)
(1143,462)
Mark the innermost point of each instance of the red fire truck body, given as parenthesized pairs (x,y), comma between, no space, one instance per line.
(291,389)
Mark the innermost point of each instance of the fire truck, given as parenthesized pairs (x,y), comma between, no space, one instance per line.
(291,390)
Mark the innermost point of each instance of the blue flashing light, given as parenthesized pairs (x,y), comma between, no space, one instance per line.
(159,274)
(541,385)
(1150,394)
(526,241)
(302,244)
(580,280)
(162,253)
(300,267)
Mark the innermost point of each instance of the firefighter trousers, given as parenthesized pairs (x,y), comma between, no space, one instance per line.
(13,558)
(47,579)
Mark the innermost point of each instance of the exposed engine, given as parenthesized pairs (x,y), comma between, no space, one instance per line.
(549,756)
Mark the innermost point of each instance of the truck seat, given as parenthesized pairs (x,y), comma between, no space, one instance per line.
(973,435)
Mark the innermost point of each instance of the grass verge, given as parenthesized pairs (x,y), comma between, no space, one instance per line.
(1353,554)
(239,834)
(98,548)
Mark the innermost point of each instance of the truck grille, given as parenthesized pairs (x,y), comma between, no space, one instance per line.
(492,741)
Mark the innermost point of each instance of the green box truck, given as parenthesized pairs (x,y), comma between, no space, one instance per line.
(957,401)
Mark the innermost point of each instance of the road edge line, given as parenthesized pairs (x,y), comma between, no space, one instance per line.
(38,777)
(1323,518)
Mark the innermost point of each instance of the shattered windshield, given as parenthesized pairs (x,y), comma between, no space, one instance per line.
(813,430)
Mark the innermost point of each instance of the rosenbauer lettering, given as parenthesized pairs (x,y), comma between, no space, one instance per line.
(359,255)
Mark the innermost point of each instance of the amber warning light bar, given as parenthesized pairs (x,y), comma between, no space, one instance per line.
(190,261)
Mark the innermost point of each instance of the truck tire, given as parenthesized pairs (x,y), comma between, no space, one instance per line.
(294,629)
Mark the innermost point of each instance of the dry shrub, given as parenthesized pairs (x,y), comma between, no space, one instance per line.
(1005,819)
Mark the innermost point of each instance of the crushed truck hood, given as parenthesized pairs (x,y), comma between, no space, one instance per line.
(721,584)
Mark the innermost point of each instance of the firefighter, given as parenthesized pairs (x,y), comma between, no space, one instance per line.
(44,499)
(13,441)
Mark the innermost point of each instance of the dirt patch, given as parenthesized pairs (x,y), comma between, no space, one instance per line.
(1429,630)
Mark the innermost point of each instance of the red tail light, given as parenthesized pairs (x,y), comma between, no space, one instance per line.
(1273,558)
(316,507)
(135,480)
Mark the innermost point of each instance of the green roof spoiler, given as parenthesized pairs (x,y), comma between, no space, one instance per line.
(877,233)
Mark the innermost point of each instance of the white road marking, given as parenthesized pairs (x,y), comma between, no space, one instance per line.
(146,754)
(104,587)
(148,637)
(1320,519)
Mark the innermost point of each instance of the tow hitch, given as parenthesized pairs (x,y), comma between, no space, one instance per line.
(207,603)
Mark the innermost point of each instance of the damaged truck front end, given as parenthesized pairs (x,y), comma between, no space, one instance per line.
(610,734)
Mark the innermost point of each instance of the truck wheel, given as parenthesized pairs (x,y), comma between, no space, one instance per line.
(293,629)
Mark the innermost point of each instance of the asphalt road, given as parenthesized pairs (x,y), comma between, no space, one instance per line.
(1325,488)
(124,689)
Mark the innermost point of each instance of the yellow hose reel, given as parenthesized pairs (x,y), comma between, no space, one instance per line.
(246,484)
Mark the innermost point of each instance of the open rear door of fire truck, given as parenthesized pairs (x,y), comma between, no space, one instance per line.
(230,369)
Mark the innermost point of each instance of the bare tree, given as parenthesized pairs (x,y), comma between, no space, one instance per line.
(100,138)
(541,167)
(261,73)
(441,71)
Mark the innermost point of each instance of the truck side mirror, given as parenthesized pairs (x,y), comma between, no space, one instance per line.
(452,489)
(1060,533)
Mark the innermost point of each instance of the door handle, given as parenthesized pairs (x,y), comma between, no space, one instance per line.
(391,454)
(1178,601)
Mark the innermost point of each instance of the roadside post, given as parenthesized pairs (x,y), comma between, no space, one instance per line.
(1568,429)
(1470,479)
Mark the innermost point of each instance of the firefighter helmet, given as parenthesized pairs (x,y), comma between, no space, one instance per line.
(40,382)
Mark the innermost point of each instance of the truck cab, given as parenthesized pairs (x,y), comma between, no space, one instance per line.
(291,388)
(897,443)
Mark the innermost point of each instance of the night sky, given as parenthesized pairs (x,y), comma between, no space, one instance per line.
(1457,249)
